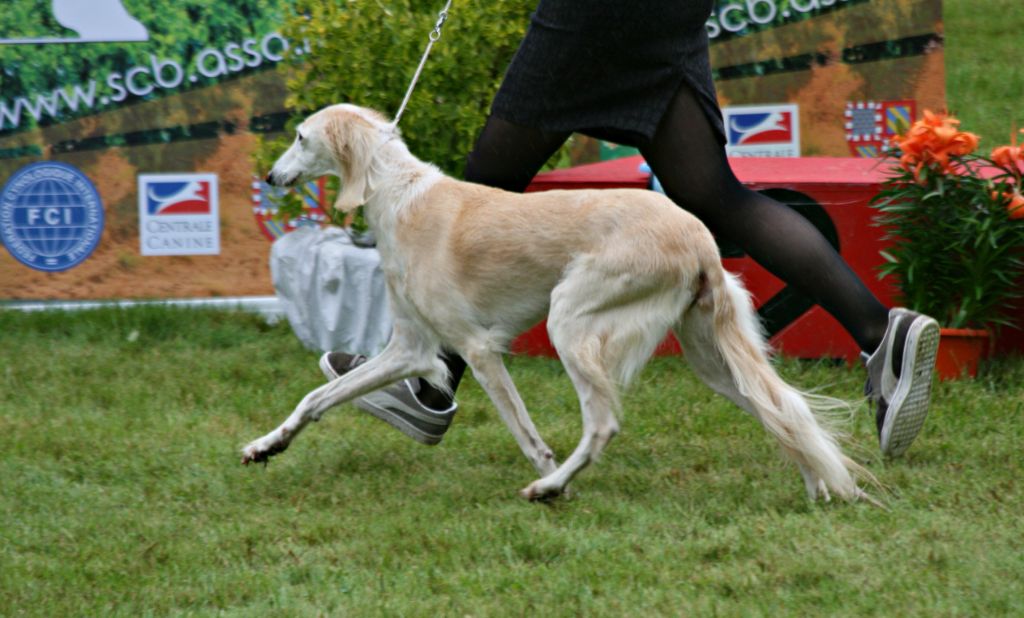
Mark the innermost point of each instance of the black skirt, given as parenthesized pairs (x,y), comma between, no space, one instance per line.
(609,68)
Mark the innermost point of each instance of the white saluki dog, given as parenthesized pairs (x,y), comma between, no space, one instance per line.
(469,267)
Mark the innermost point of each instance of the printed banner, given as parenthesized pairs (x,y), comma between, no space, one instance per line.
(146,114)
(127,126)
(826,56)
(823,56)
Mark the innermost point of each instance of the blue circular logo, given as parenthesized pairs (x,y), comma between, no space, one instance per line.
(51,217)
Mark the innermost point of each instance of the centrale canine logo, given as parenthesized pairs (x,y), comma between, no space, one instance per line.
(178,198)
(178,214)
(51,217)
(762,130)
(769,127)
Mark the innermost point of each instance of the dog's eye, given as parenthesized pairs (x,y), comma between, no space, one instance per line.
(300,137)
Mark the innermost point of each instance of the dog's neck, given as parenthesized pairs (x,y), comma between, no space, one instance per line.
(396,179)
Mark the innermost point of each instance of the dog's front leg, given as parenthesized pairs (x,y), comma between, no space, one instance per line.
(490,372)
(390,366)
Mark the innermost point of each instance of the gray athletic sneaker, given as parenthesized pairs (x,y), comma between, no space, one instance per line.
(396,404)
(900,378)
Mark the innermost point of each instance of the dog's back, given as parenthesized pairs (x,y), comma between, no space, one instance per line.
(509,251)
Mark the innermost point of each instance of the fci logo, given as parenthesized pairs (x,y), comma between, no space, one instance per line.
(51,217)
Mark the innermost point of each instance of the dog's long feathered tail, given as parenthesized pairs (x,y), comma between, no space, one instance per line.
(723,341)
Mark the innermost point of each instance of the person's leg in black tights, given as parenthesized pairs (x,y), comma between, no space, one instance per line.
(506,156)
(691,164)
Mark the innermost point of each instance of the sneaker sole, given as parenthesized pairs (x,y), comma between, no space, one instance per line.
(909,406)
(377,405)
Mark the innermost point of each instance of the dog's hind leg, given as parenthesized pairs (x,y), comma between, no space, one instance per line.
(605,322)
(722,342)
(598,403)
(599,323)
(709,365)
(400,359)
(493,377)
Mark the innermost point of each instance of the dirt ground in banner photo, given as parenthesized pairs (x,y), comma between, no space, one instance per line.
(118,270)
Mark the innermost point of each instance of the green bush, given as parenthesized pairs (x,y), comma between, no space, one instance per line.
(365,52)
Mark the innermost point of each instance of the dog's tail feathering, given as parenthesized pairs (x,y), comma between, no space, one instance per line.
(723,341)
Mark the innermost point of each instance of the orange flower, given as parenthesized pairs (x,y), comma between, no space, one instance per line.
(932,140)
(1007,156)
(1016,205)
(1014,202)
(933,120)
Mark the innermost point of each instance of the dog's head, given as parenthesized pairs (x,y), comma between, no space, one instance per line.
(340,140)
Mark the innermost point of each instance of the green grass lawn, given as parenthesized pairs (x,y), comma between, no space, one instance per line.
(121,493)
(984,71)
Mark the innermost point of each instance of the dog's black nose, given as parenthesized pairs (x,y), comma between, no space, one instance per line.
(270,178)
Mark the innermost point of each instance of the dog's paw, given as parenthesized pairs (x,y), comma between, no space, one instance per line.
(540,491)
(257,452)
(817,490)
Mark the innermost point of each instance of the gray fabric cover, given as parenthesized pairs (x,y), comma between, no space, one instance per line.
(332,292)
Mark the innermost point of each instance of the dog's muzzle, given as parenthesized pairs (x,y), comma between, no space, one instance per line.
(275,180)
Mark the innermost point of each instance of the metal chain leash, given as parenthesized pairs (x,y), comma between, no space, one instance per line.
(433,37)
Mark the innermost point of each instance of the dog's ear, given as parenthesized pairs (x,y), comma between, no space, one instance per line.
(351,139)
